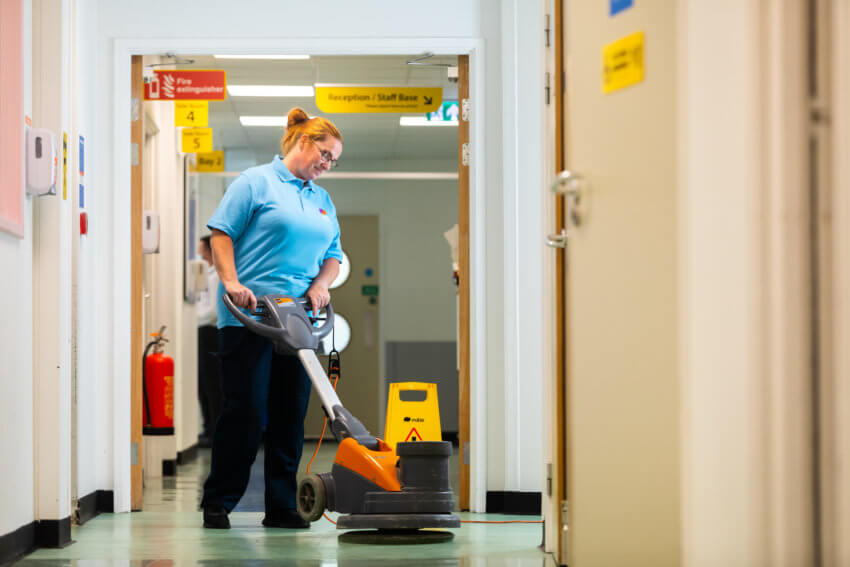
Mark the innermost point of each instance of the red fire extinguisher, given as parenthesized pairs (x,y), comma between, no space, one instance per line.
(158,387)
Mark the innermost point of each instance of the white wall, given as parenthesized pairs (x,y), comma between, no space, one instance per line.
(505,180)
(520,454)
(16,385)
(92,430)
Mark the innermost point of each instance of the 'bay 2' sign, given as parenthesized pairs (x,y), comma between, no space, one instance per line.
(187,85)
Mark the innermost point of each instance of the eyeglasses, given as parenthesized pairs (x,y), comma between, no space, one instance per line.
(325,155)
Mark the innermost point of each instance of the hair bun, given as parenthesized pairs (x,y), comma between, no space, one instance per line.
(296,116)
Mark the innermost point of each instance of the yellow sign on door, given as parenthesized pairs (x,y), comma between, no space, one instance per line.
(191,113)
(209,163)
(196,140)
(622,63)
(359,100)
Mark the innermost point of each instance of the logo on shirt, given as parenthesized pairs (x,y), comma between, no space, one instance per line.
(324,214)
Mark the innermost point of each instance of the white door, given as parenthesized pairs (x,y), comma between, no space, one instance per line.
(620,304)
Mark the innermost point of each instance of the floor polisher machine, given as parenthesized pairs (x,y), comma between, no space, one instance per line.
(397,492)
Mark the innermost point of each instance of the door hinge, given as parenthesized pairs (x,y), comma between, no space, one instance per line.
(465,154)
(548,479)
(465,109)
(134,154)
(134,454)
(134,109)
(548,87)
(548,29)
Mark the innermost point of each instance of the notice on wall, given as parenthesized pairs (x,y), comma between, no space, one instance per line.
(617,6)
(191,113)
(196,140)
(212,162)
(338,99)
(64,166)
(622,63)
(81,161)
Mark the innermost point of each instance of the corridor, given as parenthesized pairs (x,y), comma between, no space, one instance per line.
(169,532)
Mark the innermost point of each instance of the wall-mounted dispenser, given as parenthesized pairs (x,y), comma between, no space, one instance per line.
(41,162)
(150,232)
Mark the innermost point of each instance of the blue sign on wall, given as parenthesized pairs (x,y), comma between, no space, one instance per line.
(617,6)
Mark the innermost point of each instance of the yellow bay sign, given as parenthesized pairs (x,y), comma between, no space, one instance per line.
(209,163)
(336,99)
(196,140)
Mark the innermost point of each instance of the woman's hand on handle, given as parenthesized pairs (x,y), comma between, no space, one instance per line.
(241,295)
(319,297)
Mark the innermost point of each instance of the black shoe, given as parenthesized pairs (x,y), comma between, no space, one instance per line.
(215,517)
(289,519)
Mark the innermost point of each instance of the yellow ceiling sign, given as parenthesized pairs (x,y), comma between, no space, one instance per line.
(196,140)
(212,162)
(360,99)
(622,63)
(191,113)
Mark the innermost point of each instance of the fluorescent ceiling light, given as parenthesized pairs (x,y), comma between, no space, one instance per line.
(263,120)
(262,56)
(423,121)
(270,90)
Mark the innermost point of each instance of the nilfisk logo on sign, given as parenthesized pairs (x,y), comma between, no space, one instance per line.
(415,419)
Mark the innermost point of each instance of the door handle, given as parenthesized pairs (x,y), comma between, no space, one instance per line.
(575,187)
(557,240)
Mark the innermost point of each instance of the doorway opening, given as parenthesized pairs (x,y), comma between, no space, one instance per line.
(397,175)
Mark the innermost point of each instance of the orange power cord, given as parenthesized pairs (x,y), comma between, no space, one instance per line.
(316,452)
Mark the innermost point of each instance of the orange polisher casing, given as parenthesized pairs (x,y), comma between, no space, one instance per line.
(376,466)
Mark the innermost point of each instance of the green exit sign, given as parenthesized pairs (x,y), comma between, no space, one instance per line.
(449,111)
(369,290)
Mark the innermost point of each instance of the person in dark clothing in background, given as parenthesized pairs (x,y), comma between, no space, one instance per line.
(209,368)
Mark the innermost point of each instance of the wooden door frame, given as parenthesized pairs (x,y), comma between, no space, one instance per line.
(839,548)
(556,476)
(124,282)
(463,286)
(137,139)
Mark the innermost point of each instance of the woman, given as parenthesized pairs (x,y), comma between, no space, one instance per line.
(274,232)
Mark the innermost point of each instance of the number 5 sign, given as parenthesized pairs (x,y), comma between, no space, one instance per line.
(191,113)
(196,140)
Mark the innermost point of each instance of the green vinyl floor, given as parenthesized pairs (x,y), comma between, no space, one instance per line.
(168,532)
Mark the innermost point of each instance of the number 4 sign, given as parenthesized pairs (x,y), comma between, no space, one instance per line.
(196,140)
(191,113)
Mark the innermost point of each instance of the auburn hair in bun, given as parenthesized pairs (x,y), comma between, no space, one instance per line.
(299,123)
(296,116)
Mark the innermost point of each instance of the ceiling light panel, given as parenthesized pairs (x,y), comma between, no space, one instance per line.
(305,91)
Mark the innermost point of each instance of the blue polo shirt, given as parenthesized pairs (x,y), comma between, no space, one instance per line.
(282,228)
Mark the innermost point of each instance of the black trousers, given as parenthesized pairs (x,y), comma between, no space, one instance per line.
(209,378)
(257,383)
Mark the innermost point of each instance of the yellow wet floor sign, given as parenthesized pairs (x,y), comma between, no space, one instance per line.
(413,413)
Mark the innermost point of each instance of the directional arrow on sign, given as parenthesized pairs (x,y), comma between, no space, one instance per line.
(429,100)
